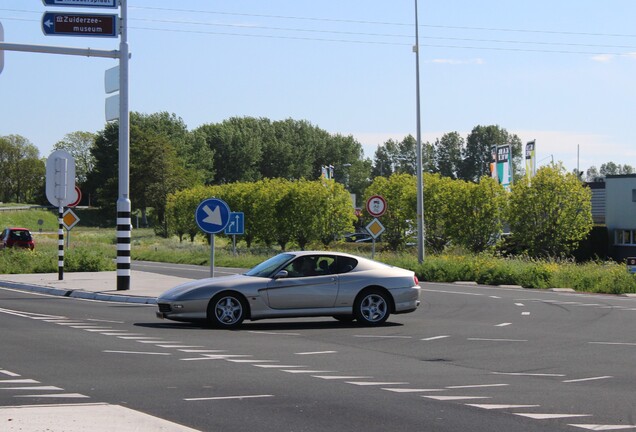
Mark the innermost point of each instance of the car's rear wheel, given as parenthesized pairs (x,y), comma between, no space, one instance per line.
(372,307)
(226,310)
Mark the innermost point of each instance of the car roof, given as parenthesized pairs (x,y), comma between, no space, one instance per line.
(17,229)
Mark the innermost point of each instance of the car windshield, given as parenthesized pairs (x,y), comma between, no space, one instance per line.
(266,268)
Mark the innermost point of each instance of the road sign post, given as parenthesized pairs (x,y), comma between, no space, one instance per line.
(235,226)
(60,185)
(212,216)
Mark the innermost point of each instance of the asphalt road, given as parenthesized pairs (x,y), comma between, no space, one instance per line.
(472,358)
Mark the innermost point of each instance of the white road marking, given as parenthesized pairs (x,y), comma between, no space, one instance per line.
(95,330)
(90,326)
(453,292)
(156,342)
(614,343)
(179,346)
(341,377)
(70,323)
(494,297)
(57,395)
(412,390)
(550,416)
(84,418)
(19,381)
(225,356)
(105,321)
(131,337)
(228,397)
(435,338)
(9,373)
(525,313)
(375,383)
(136,352)
(120,333)
(202,350)
(251,361)
(503,324)
(500,406)
(527,374)
(477,386)
(32,388)
(383,337)
(278,366)
(454,398)
(519,304)
(301,371)
(587,379)
(316,352)
(595,427)
(497,340)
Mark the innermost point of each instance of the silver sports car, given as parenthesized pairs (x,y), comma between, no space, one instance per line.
(297,284)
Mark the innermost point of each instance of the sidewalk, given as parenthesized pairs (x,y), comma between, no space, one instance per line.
(145,287)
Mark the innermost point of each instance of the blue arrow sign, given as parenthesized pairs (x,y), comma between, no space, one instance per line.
(236,224)
(82,3)
(79,24)
(212,215)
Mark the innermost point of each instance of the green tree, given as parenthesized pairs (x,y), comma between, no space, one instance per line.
(438,199)
(477,153)
(22,178)
(79,145)
(550,216)
(448,154)
(476,213)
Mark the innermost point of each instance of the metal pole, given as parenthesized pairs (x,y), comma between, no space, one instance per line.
(420,189)
(123,202)
(60,242)
(211,255)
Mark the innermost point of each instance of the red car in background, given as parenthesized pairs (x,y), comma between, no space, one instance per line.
(16,237)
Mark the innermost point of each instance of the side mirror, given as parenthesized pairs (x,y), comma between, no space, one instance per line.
(281,274)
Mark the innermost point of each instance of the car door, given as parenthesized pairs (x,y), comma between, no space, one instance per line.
(310,284)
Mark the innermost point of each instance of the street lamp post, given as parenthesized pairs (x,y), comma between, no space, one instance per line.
(420,189)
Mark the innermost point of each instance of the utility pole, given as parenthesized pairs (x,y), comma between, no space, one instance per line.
(420,188)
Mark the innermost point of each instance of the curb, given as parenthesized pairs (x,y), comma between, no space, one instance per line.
(81,294)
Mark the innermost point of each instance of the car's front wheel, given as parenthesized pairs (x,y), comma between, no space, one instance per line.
(372,307)
(226,310)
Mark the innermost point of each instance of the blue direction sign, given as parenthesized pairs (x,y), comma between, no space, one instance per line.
(236,224)
(78,24)
(82,3)
(212,215)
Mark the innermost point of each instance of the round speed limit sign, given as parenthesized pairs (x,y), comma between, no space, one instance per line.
(376,206)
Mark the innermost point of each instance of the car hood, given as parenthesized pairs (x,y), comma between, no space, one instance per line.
(190,289)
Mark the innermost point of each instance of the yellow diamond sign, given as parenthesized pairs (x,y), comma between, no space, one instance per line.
(375,228)
(69,219)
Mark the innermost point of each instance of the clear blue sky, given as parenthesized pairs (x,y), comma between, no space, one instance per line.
(562,72)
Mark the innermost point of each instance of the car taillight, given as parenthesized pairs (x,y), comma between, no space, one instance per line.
(417,282)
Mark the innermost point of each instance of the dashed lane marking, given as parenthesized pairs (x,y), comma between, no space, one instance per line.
(435,338)
(527,374)
(614,343)
(500,406)
(40,388)
(375,383)
(587,379)
(227,398)
(506,324)
(302,371)
(56,396)
(341,377)
(537,416)
(136,352)
(278,366)
(455,398)
(316,352)
(383,337)
(477,386)
(412,390)
(595,427)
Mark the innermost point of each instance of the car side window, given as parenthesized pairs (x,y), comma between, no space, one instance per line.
(345,264)
(311,265)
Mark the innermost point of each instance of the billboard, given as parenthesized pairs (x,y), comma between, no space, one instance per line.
(531,160)
(504,166)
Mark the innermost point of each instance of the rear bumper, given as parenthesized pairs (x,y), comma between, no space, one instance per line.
(406,299)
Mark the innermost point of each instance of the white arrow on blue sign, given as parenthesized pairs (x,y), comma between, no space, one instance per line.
(236,224)
(212,215)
